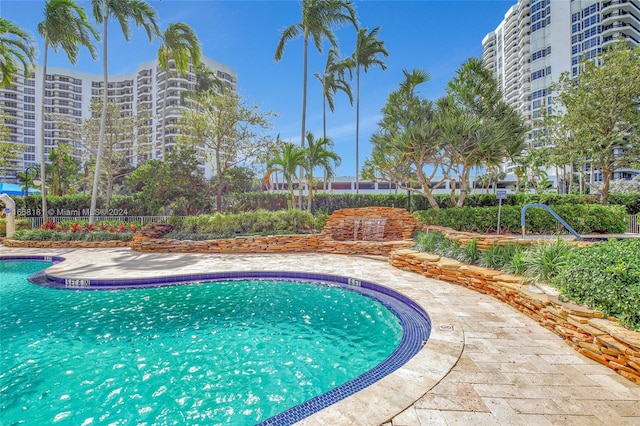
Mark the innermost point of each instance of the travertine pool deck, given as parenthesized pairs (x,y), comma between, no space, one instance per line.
(485,363)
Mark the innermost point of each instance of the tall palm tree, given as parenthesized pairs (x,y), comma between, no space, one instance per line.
(318,154)
(143,15)
(332,80)
(318,18)
(365,56)
(180,45)
(286,162)
(16,44)
(65,27)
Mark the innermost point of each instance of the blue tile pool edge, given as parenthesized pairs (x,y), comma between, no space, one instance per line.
(415,321)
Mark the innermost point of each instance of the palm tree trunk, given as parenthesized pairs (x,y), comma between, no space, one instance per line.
(43,186)
(357,123)
(103,122)
(324,130)
(304,111)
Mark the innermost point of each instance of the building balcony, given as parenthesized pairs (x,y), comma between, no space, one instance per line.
(624,5)
(618,17)
(524,7)
(620,30)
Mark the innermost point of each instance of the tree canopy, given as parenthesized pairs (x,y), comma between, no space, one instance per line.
(598,112)
(228,130)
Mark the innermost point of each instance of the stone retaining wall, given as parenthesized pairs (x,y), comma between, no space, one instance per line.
(268,244)
(65,244)
(598,338)
(485,241)
(399,223)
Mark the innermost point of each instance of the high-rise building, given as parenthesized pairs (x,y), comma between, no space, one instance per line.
(540,39)
(67,100)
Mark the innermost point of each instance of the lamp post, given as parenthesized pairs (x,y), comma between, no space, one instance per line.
(29,172)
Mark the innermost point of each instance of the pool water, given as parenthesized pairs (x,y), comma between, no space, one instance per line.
(235,352)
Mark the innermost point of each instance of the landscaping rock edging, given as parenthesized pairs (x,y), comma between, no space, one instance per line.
(587,331)
(65,244)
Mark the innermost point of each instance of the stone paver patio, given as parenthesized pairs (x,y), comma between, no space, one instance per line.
(485,363)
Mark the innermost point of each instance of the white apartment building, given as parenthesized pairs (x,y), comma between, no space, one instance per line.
(67,98)
(540,39)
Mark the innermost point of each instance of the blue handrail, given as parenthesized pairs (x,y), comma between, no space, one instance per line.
(554,214)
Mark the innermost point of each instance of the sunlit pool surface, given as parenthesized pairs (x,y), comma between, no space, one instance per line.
(224,352)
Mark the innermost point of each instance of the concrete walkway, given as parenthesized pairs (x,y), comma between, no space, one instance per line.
(485,363)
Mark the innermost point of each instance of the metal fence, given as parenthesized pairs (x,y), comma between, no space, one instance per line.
(36,222)
(633,224)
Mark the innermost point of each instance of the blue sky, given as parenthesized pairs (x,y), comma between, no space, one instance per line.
(436,36)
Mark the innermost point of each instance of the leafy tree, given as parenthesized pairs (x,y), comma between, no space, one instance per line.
(366,55)
(63,171)
(228,130)
(237,179)
(181,46)
(124,11)
(478,128)
(406,148)
(64,26)
(16,45)
(125,139)
(8,150)
(286,160)
(176,181)
(317,153)
(600,111)
(318,19)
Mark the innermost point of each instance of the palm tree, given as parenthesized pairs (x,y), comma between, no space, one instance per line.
(318,154)
(180,45)
(286,162)
(332,80)
(64,26)
(318,18)
(144,16)
(16,44)
(365,56)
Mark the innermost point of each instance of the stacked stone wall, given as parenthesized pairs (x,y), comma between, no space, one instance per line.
(587,331)
(399,225)
(65,244)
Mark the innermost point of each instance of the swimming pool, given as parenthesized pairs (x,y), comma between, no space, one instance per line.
(187,313)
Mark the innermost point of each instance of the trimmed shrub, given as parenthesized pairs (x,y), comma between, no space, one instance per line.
(260,222)
(584,218)
(605,276)
(53,235)
(630,201)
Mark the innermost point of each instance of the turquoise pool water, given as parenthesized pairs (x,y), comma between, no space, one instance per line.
(235,353)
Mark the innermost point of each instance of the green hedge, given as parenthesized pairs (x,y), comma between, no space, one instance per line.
(584,218)
(605,276)
(630,201)
(79,202)
(249,223)
(328,202)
